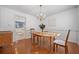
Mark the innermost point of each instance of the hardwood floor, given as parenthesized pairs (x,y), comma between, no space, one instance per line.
(26,47)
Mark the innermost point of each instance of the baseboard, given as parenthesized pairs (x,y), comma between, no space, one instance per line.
(72,41)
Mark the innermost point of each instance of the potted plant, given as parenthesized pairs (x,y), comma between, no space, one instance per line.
(42,26)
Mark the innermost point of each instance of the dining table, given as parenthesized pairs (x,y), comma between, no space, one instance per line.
(50,35)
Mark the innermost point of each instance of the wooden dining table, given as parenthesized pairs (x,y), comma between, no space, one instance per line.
(51,36)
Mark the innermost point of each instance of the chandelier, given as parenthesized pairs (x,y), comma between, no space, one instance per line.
(41,14)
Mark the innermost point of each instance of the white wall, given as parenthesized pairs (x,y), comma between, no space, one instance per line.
(63,21)
(78,26)
(7,21)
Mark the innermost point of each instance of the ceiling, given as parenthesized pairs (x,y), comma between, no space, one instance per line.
(35,9)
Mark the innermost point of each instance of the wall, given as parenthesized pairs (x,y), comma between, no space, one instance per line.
(7,22)
(78,26)
(63,21)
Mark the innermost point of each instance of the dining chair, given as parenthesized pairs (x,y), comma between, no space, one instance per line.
(62,43)
(31,31)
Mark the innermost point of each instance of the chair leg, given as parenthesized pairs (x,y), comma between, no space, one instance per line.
(54,47)
(66,49)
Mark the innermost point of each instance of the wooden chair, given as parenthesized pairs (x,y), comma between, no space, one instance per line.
(31,31)
(62,43)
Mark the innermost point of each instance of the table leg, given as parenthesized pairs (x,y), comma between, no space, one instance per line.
(40,41)
(33,39)
(37,39)
(43,42)
(50,44)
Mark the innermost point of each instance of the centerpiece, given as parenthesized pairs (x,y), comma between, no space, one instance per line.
(42,26)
